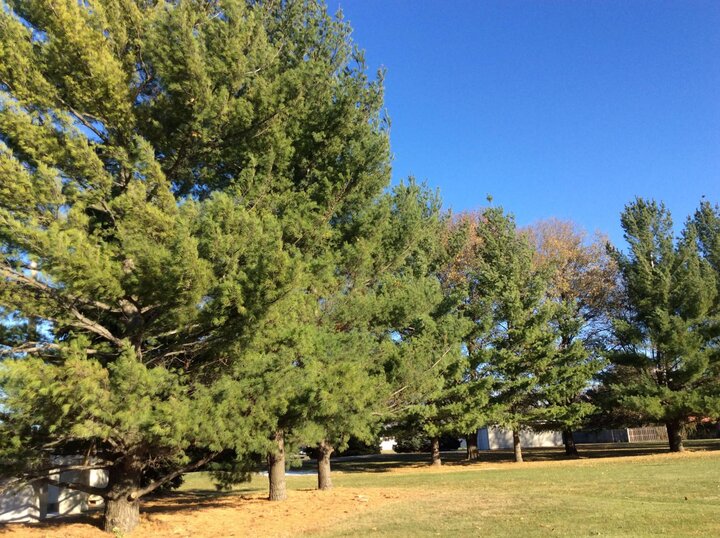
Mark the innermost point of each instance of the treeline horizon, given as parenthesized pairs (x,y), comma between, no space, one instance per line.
(203,265)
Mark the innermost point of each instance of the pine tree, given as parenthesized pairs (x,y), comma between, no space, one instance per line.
(667,368)
(417,320)
(513,342)
(168,174)
(583,287)
(706,221)
(351,364)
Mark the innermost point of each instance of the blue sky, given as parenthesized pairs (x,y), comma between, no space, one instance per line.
(563,109)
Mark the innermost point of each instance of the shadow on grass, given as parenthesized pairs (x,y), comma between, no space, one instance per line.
(166,503)
(191,501)
(385,462)
(54,523)
(199,498)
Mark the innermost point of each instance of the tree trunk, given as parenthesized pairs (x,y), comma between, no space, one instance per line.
(121,516)
(472,449)
(323,463)
(435,449)
(569,442)
(276,469)
(675,436)
(516,446)
(122,507)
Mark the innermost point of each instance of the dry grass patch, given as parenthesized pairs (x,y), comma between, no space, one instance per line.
(228,515)
(649,495)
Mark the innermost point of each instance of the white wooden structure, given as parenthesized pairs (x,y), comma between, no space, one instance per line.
(38,501)
(387,444)
(25,504)
(496,438)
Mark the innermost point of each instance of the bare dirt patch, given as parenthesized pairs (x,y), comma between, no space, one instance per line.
(205,516)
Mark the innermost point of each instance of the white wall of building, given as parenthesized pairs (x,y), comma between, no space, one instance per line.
(37,501)
(23,505)
(495,438)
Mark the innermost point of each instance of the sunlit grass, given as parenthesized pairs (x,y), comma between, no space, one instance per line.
(651,495)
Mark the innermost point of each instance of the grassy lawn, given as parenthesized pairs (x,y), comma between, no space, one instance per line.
(644,493)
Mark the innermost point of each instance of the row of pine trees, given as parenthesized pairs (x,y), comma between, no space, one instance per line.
(203,265)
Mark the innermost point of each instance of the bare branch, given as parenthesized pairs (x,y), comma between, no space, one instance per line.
(154,485)
(82,118)
(95,327)
(43,475)
(29,347)
(85,488)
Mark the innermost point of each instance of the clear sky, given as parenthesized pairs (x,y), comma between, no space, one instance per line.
(557,108)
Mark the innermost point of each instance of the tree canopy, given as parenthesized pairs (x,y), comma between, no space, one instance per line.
(171,174)
(666,364)
(203,262)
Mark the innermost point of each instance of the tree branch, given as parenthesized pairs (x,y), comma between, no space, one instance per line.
(19,278)
(95,327)
(154,485)
(28,347)
(85,488)
(82,119)
(43,475)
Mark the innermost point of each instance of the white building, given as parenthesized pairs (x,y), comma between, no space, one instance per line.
(24,504)
(496,438)
(38,501)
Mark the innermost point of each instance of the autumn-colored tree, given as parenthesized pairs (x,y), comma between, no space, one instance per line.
(583,285)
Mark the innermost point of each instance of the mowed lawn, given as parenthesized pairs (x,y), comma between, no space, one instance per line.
(648,495)
(618,490)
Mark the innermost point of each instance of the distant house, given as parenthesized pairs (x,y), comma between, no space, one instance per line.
(497,438)
(38,501)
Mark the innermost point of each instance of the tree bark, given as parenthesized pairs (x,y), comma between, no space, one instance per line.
(276,469)
(569,442)
(435,449)
(121,516)
(323,463)
(516,446)
(122,504)
(472,449)
(675,436)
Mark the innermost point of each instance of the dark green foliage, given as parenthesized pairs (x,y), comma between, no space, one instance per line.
(413,440)
(666,367)
(172,179)
(706,222)
(513,343)
(358,447)
(427,367)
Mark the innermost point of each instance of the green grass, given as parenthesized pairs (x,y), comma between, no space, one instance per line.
(661,495)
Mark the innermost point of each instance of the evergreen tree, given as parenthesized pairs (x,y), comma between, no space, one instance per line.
(583,286)
(666,368)
(392,291)
(513,343)
(348,397)
(356,320)
(707,223)
(168,174)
